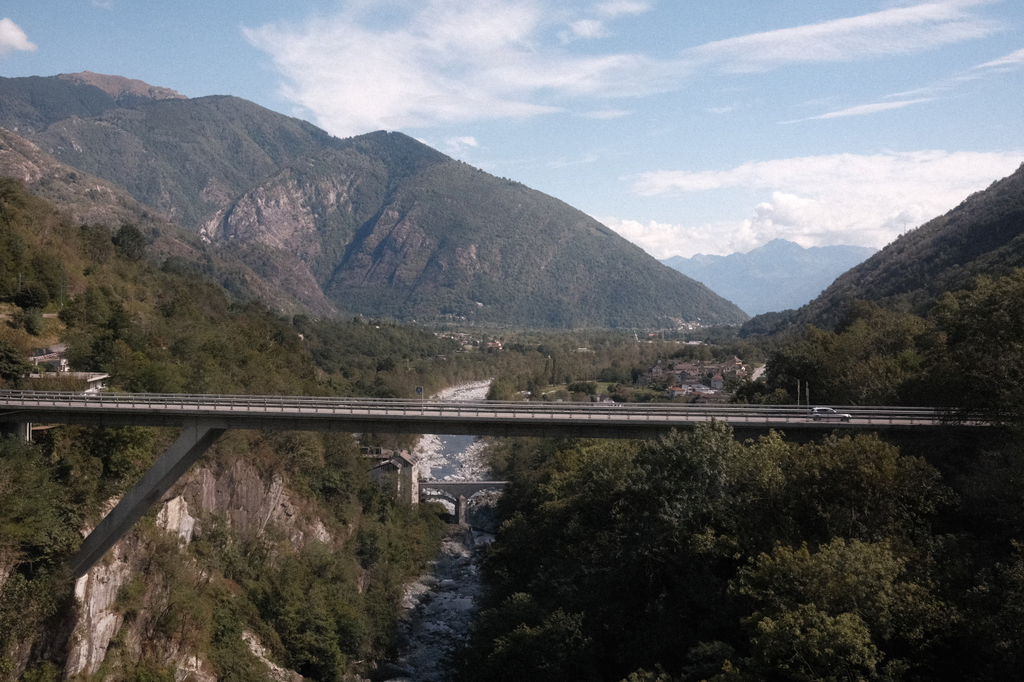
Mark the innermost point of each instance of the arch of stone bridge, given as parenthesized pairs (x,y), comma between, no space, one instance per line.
(458,493)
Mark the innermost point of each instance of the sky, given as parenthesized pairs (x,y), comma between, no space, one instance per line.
(688,127)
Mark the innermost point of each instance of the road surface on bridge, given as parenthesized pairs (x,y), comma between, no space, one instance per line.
(482,418)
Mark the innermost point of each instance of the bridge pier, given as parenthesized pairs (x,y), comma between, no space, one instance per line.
(198,436)
(460,510)
(22,430)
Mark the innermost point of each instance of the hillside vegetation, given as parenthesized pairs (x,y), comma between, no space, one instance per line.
(983,236)
(381,224)
(324,606)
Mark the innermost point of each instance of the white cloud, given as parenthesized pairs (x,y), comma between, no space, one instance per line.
(902,30)
(663,240)
(598,28)
(820,200)
(606,114)
(618,8)
(455,146)
(458,61)
(13,38)
(1012,59)
(865,109)
(449,61)
(586,28)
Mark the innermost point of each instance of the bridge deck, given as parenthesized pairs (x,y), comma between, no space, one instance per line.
(482,418)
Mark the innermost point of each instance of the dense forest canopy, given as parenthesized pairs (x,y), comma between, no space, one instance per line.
(701,558)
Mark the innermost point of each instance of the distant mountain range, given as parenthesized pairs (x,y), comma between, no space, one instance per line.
(378,224)
(983,236)
(777,276)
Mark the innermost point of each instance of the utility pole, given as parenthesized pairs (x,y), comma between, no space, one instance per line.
(798,393)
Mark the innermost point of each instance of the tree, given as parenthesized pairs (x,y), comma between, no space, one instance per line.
(130,242)
(12,366)
(980,365)
(870,359)
(32,295)
(835,613)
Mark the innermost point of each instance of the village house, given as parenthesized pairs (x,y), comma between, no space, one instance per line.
(397,471)
(52,357)
(52,363)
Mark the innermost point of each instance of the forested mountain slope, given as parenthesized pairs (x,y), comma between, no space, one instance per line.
(984,235)
(280,539)
(382,223)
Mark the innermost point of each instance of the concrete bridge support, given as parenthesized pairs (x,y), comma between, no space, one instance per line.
(22,430)
(198,436)
(460,510)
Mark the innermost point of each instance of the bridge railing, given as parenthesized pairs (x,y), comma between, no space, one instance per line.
(319,405)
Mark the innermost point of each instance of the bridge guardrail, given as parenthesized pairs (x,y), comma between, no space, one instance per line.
(319,405)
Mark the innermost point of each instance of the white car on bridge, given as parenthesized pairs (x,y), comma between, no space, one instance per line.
(827,413)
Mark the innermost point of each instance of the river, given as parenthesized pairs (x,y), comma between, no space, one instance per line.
(437,607)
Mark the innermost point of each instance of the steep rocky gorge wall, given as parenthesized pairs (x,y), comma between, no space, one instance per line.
(239,497)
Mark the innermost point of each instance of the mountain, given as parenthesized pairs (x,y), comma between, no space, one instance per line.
(88,199)
(777,276)
(384,225)
(983,236)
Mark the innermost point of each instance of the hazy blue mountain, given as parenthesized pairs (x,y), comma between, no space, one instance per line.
(777,276)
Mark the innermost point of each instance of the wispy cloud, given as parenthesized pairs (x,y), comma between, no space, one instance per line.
(1012,59)
(928,92)
(618,8)
(865,109)
(584,28)
(446,61)
(895,31)
(596,26)
(864,200)
(606,114)
(12,38)
(455,146)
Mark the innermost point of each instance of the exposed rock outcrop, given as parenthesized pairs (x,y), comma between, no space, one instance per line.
(238,494)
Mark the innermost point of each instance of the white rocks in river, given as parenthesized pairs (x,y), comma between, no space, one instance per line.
(438,608)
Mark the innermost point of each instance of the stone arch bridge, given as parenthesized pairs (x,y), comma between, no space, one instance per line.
(457,492)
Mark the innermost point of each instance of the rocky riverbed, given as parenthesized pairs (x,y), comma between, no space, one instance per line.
(437,608)
(454,458)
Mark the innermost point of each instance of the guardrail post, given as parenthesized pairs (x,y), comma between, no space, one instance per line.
(197,437)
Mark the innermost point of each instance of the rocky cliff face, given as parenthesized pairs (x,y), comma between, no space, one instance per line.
(240,497)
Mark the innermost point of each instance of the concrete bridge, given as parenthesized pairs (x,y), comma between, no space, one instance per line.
(204,418)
